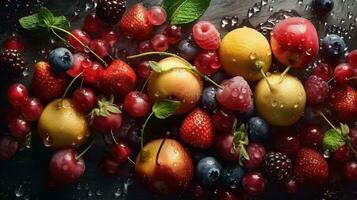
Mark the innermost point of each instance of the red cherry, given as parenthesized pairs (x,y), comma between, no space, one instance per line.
(31,109)
(109,36)
(352,58)
(84,99)
(199,192)
(82,36)
(223,119)
(143,69)
(226,195)
(323,71)
(254,183)
(137,104)
(17,94)
(343,72)
(65,168)
(110,167)
(342,154)
(353,137)
(92,24)
(121,152)
(311,136)
(224,146)
(145,46)
(93,73)
(256,154)
(288,144)
(160,42)
(14,43)
(207,62)
(100,47)
(173,34)
(291,186)
(79,60)
(156,15)
(108,124)
(8,147)
(350,171)
(19,128)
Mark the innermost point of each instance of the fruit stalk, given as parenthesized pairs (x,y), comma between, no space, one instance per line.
(158,152)
(86,149)
(143,130)
(284,73)
(69,86)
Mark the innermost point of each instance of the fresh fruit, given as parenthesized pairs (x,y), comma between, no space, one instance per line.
(350,171)
(256,153)
(60,59)
(173,33)
(145,46)
(316,89)
(324,71)
(311,136)
(92,73)
(322,6)
(80,61)
(84,99)
(137,104)
(157,15)
(109,36)
(92,24)
(14,43)
(231,176)
(46,84)
(342,154)
(206,35)
(310,167)
(224,147)
(65,167)
(188,49)
(160,42)
(208,170)
(17,94)
(199,192)
(118,79)
(277,166)
(333,48)
(106,119)
(288,144)
(207,62)
(110,11)
(280,100)
(8,147)
(164,85)
(12,62)
(19,128)
(353,137)
(120,152)
(31,109)
(70,129)
(135,23)
(235,95)
(223,119)
(254,183)
(110,167)
(100,47)
(226,195)
(81,36)
(208,98)
(250,53)
(352,58)
(343,100)
(291,187)
(295,42)
(166,171)
(197,129)
(258,129)
(343,72)
(143,69)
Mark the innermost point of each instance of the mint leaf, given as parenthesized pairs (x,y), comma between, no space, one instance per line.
(185,11)
(332,140)
(30,22)
(165,108)
(61,22)
(155,66)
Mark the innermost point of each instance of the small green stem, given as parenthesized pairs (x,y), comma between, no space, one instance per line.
(70,85)
(284,73)
(114,140)
(143,130)
(266,78)
(86,149)
(61,38)
(328,121)
(144,85)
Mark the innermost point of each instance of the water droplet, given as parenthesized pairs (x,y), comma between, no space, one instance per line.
(48,141)
(250,12)
(89,5)
(118,192)
(99,192)
(281,105)
(78,187)
(300,2)
(252,56)
(326,154)
(19,191)
(264,2)
(271,8)
(296,105)
(86,186)
(225,22)
(274,104)
(90,193)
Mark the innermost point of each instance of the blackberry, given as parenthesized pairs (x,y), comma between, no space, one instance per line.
(12,62)
(110,11)
(277,166)
(330,193)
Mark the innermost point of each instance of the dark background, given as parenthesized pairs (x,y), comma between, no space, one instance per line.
(23,177)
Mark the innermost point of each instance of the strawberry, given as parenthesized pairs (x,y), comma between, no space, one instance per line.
(135,23)
(46,84)
(343,100)
(118,79)
(197,129)
(310,167)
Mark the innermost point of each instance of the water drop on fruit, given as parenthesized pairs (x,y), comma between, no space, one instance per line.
(48,141)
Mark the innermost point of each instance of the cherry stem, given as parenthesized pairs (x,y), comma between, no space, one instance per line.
(86,149)
(193,68)
(143,130)
(53,28)
(284,73)
(266,78)
(158,152)
(69,86)
(328,121)
(62,39)
(132,162)
(144,85)
(114,140)
(350,78)
(330,80)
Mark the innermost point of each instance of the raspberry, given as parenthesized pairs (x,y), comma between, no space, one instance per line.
(206,35)
(316,89)
(111,11)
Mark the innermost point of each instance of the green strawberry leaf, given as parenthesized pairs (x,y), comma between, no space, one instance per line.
(332,140)
(345,130)
(185,11)
(243,152)
(155,66)
(165,108)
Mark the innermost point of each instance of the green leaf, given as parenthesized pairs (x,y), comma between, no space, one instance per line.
(244,153)
(113,109)
(332,140)
(165,108)
(345,130)
(155,66)
(170,6)
(30,22)
(185,11)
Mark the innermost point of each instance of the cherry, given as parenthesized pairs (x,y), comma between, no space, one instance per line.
(291,187)
(353,137)
(256,154)
(84,99)
(19,128)
(82,36)
(108,124)
(160,42)
(207,62)
(254,183)
(8,147)
(92,72)
(109,36)
(311,136)
(31,109)
(100,47)
(224,146)
(143,69)
(121,152)
(199,192)
(223,119)
(288,144)
(352,58)
(137,104)
(110,167)
(17,94)
(173,33)
(350,171)
(342,154)
(64,166)
(145,46)
(92,24)
(323,71)
(14,43)
(343,72)
(77,66)
(226,195)
(156,15)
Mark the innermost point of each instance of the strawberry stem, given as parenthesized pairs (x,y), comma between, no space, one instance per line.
(158,152)
(86,149)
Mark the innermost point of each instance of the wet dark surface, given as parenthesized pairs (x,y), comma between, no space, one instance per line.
(24,177)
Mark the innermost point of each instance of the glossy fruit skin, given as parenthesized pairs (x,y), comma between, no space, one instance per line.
(343,72)
(343,100)
(254,183)
(164,85)
(295,42)
(17,94)
(224,147)
(207,62)
(110,166)
(8,147)
(65,168)
(100,47)
(106,125)
(84,99)
(174,172)
(19,128)
(145,46)
(288,144)
(160,42)
(206,35)
(311,136)
(92,73)
(82,36)
(223,119)
(157,15)
(258,129)
(92,24)
(80,61)
(342,154)
(173,33)
(70,130)
(120,152)
(14,43)
(31,109)
(323,6)
(110,11)
(316,89)
(137,104)
(208,98)
(323,71)
(208,170)
(109,36)
(352,58)
(350,171)
(231,177)
(188,49)
(60,59)
(333,48)
(256,154)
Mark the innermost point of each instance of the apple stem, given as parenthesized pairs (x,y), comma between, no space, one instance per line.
(114,140)
(158,152)
(143,130)
(86,149)
(284,73)
(69,86)
(266,78)
(328,121)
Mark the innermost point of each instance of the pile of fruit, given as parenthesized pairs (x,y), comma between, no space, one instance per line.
(240,127)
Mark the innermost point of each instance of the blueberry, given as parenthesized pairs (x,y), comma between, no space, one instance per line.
(219,77)
(188,49)
(310,114)
(322,6)
(61,59)
(245,116)
(208,170)
(208,98)
(333,47)
(258,129)
(232,176)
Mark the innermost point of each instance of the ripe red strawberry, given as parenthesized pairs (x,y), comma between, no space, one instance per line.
(135,23)
(118,79)
(343,100)
(197,129)
(46,84)
(310,167)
